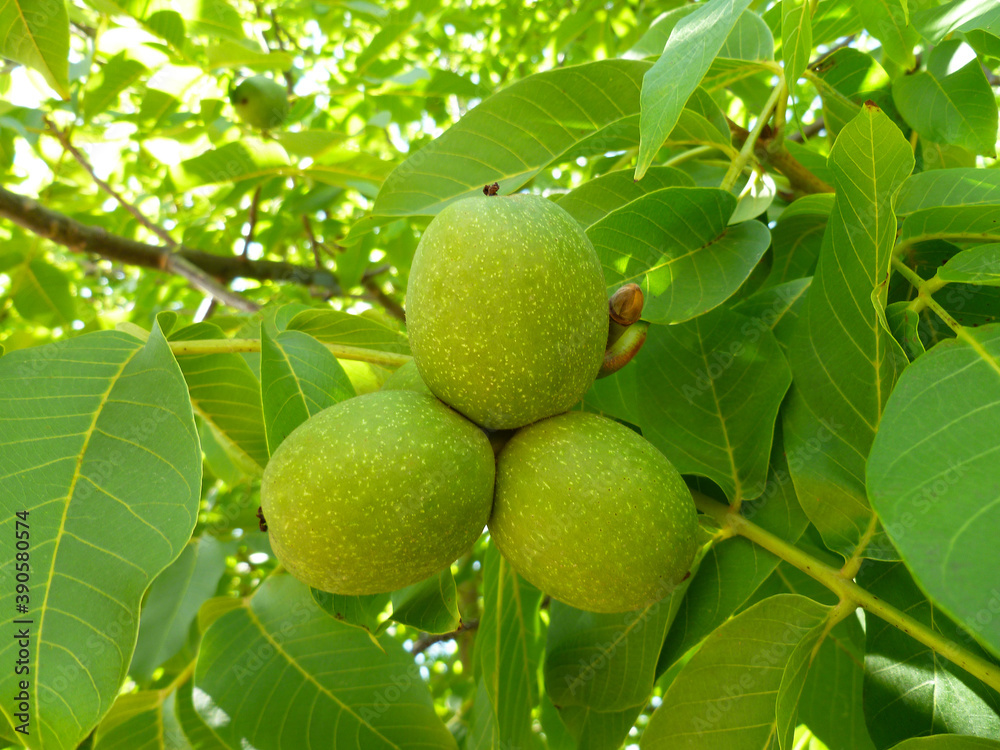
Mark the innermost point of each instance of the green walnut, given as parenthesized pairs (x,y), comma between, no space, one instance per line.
(260,102)
(506,309)
(406,378)
(592,514)
(377,492)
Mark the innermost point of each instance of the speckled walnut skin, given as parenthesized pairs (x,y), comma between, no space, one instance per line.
(506,309)
(592,514)
(377,492)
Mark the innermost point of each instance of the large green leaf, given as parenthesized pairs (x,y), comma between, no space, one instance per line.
(948,187)
(909,689)
(173,602)
(196,732)
(977,265)
(976,222)
(958,109)
(514,134)
(41,293)
(733,569)
(321,684)
(508,648)
(431,605)
(606,662)
(844,361)
(336,327)
(117,74)
(798,236)
(248,159)
(142,721)
(948,742)
(598,730)
(99,450)
(888,21)
(837,670)
(726,695)
(847,78)
(37,35)
(298,378)
(796,37)
(936,22)
(226,394)
(694,42)
(932,476)
(596,198)
(677,244)
(711,390)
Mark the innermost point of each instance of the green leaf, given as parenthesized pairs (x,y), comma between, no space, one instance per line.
(947,742)
(321,683)
(233,54)
(172,604)
(837,670)
(888,21)
(732,570)
(937,22)
(117,75)
(798,236)
(226,394)
(685,267)
(711,391)
(606,662)
(701,122)
(948,187)
(196,732)
(248,159)
(37,35)
(932,475)
(909,689)
(969,223)
(599,730)
(508,648)
(694,42)
(596,198)
(844,362)
(796,37)
(725,696)
(904,325)
(430,606)
(299,377)
(357,611)
(846,79)
(335,327)
(211,18)
(141,721)
(100,448)
(41,293)
(958,109)
(977,265)
(750,39)
(792,683)
(514,134)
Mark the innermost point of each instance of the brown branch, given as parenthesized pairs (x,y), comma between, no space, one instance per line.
(178,265)
(808,131)
(388,303)
(780,159)
(252,219)
(82,238)
(426,641)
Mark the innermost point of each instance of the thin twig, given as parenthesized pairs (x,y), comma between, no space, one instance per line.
(252,219)
(169,261)
(388,303)
(426,641)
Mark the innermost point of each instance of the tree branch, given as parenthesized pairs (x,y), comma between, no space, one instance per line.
(425,642)
(176,265)
(780,159)
(82,238)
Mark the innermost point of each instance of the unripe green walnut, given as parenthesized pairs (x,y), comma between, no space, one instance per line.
(377,492)
(506,309)
(592,514)
(260,102)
